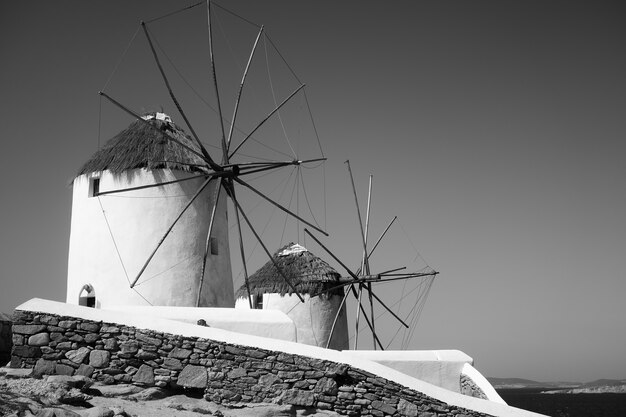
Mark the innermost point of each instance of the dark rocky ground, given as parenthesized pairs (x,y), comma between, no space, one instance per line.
(63,396)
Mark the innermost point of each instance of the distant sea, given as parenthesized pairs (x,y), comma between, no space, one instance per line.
(566,405)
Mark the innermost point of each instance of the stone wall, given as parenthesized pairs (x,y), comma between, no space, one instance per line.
(6,342)
(469,387)
(226,373)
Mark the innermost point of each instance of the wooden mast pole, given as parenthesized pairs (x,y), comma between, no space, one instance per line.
(366,263)
(207,245)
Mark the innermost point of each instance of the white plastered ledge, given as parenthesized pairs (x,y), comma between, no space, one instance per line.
(265,323)
(442,368)
(192,330)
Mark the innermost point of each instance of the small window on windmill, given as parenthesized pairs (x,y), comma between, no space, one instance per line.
(87,296)
(258,302)
(213,244)
(94,187)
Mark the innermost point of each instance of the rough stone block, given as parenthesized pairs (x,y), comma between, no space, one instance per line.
(39,339)
(298,397)
(326,386)
(143,355)
(26,351)
(193,377)
(237,373)
(144,375)
(110,329)
(256,354)
(407,409)
(85,370)
(99,358)
(269,380)
(179,353)
(68,324)
(143,338)
(44,367)
(384,407)
(89,326)
(29,329)
(62,369)
(64,345)
(78,355)
(172,364)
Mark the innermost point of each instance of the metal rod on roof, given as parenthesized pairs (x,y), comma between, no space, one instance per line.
(258,238)
(207,246)
(205,153)
(243,80)
(193,198)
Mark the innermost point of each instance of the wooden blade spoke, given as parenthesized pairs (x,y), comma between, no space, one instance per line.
(258,238)
(352,274)
(279,206)
(368,323)
(358,315)
(371,293)
(205,153)
(215,84)
(358,213)
(264,120)
(243,80)
(266,166)
(366,263)
(207,246)
(143,187)
(241,249)
(156,129)
(193,198)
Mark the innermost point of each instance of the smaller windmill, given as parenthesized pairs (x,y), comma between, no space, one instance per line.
(361,280)
(310,275)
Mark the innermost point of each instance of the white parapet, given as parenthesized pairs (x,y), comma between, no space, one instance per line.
(265,323)
(438,367)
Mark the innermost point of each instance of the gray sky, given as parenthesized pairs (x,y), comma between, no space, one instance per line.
(494,130)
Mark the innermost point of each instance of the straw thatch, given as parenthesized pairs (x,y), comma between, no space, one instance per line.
(308,273)
(142,146)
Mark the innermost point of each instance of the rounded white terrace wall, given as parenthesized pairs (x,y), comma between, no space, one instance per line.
(313,318)
(439,367)
(482,383)
(113,235)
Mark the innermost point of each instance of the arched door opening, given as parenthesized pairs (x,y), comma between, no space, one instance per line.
(87,296)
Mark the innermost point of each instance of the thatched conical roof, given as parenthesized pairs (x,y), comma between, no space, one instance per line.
(142,146)
(308,273)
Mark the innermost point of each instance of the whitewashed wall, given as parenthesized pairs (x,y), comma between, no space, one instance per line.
(108,251)
(313,318)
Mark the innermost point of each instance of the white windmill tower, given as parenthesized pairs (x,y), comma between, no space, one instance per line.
(149,222)
(316,281)
(118,216)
